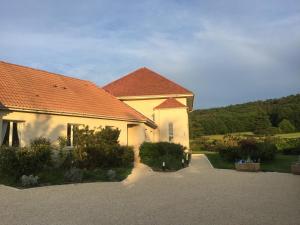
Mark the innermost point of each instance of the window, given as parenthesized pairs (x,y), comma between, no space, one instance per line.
(11,133)
(71,134)
(171,134)
(153,117)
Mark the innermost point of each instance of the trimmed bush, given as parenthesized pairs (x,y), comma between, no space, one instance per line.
(106,156)
(154,154)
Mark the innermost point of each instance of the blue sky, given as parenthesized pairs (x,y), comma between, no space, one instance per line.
(226,52)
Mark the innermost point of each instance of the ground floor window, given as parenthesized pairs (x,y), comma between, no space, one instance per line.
(11,133)
(71,133)
(171,132)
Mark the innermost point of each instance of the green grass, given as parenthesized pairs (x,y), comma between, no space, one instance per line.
(289,135)
(242,134)
(217,161)
(281,163)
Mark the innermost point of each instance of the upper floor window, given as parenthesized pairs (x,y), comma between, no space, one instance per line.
(171,132)
(11,133)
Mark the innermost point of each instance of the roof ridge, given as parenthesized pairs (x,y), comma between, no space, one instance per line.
(124,76)
(45,71)
(136,74)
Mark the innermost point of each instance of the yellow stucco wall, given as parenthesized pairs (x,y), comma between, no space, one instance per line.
(162,117)
(53,126)
(179,118)
(146,106)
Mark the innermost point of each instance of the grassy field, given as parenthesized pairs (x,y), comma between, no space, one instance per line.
(281,163)
(243,134)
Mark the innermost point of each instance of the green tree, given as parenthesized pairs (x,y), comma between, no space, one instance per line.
(261,123)
(286,126)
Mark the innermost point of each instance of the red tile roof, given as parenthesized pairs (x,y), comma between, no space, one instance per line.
(144,82)
(170,103)
(31,89)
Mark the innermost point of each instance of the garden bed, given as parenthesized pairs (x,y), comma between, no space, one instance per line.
(95,156)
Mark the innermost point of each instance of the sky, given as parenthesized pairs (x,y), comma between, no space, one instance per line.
(226,52)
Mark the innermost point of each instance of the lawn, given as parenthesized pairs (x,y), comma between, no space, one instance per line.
(281,163)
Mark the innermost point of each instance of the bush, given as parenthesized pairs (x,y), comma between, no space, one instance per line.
(105,156)
(73,175)
(29,181)
(40,142)
(292,151)
(263,150)
(25,161)
(289,146)
(230,153)
(154,154)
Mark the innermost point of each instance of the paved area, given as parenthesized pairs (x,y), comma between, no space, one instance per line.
(196,195)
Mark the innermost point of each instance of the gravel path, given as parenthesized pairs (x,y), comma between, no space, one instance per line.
(195,195)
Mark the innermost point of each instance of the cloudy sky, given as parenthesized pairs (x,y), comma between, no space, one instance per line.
(226,52)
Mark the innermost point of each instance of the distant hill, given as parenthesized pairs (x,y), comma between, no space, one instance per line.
(280,115)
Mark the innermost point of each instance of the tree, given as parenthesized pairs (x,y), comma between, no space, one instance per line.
(286,126)
(261,122)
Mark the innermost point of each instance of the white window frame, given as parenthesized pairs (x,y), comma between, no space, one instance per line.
(20,126)
(71,141)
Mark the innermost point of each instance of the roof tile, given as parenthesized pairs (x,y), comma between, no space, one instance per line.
(170,103)
(32,89)
(144,82)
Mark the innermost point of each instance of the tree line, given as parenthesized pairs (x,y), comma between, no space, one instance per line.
(271,116)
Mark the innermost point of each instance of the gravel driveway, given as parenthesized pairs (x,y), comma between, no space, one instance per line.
(196,195)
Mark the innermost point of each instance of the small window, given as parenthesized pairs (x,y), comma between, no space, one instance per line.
(171,134)
(153,117)
(10,133)
(71,134)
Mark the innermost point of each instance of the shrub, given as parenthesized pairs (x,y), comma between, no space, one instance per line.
(40,142)
(286,126)
(292,151)
(230,153)
(266,151)
(8,160)
(289,146)
(65,159)
(62,142)
(111,174)
(73,175)
(29,181)
(263,150)
(154,154)
(25,161)
(105,156)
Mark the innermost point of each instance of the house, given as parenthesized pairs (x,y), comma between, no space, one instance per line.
(164,102)
(144,105)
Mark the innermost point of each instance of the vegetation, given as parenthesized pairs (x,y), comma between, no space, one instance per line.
(249,149)
(261,117)
(281,163)
(154,154)
(274,153)
(96,156)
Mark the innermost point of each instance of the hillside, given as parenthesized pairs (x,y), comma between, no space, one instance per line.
(280,115)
